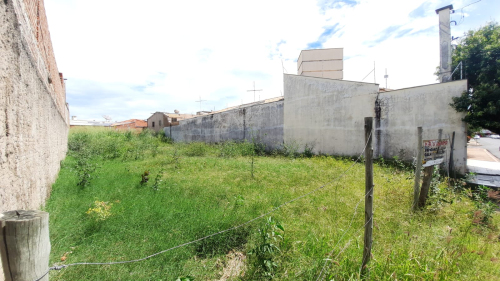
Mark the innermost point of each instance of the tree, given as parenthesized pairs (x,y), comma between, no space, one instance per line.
(479,52)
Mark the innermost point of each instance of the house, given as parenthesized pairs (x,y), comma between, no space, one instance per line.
(132,124)
(160,120)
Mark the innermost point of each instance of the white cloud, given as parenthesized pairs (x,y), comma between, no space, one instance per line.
(127,59)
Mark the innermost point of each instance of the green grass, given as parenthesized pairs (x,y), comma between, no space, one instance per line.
(195,190)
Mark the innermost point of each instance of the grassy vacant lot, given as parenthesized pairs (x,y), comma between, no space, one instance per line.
(102,209)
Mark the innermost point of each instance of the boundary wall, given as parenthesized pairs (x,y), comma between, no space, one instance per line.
(34,118)
(329,116)
(263,122)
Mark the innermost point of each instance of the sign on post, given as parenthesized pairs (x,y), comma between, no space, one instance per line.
(434,152)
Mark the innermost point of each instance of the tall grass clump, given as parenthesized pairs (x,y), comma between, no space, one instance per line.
(149,194)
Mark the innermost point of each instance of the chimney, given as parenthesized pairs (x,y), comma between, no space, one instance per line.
(444,43)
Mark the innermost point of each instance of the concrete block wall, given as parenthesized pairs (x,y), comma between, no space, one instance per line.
(33,125)
(323,63)
(402,111)
(263,122)
(329,115)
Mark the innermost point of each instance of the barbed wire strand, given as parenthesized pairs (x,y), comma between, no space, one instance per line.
(346,245)
(59,267)
(343,234)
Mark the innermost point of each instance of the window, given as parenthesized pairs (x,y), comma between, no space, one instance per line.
(153,124)
(174,119)
(159,123)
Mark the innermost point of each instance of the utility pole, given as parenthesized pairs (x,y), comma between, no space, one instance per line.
(254,91)
(444,43)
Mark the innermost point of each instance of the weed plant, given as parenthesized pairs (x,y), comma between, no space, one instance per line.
(205,189)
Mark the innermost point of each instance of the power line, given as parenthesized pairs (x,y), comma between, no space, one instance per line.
(367,75)
(462,17)
(59,267)
(469,4)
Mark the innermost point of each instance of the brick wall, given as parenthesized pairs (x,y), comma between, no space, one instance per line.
(34,119)
(35,34)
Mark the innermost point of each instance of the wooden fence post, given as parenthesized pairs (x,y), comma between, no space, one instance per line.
(367,248)
(416,186)
(25,245)
(426,184)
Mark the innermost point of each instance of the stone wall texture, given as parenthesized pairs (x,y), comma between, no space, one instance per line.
(262,122)
(33,112)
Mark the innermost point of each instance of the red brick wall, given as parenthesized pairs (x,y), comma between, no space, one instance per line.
(37,35)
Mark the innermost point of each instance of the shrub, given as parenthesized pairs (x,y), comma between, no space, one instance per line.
(270,236)
(196,149)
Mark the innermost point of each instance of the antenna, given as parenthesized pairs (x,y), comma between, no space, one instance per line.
(283,66)
(200,101)
(386,76)
(254,91)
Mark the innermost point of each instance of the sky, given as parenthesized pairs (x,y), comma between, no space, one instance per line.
(128,59)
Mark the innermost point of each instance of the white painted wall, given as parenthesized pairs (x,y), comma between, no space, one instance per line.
(329,115)
(402,111)
(323,63)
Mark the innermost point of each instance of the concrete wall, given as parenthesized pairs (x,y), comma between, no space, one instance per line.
(262,121)
(34,119)
(323,63)
(329,115)
(402,111)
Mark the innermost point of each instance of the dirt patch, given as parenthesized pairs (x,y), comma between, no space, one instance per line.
(235,266)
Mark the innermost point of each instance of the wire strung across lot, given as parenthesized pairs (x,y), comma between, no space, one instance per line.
(59,267)
(343,234)
(345,247)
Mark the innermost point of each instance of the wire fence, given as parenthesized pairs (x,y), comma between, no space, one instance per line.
(59,267)
(343,234)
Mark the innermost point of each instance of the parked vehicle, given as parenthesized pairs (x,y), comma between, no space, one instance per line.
(495,136)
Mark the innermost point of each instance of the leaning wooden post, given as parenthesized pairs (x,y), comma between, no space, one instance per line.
(426,184)
(367,249)
(416,186)
(25,245)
